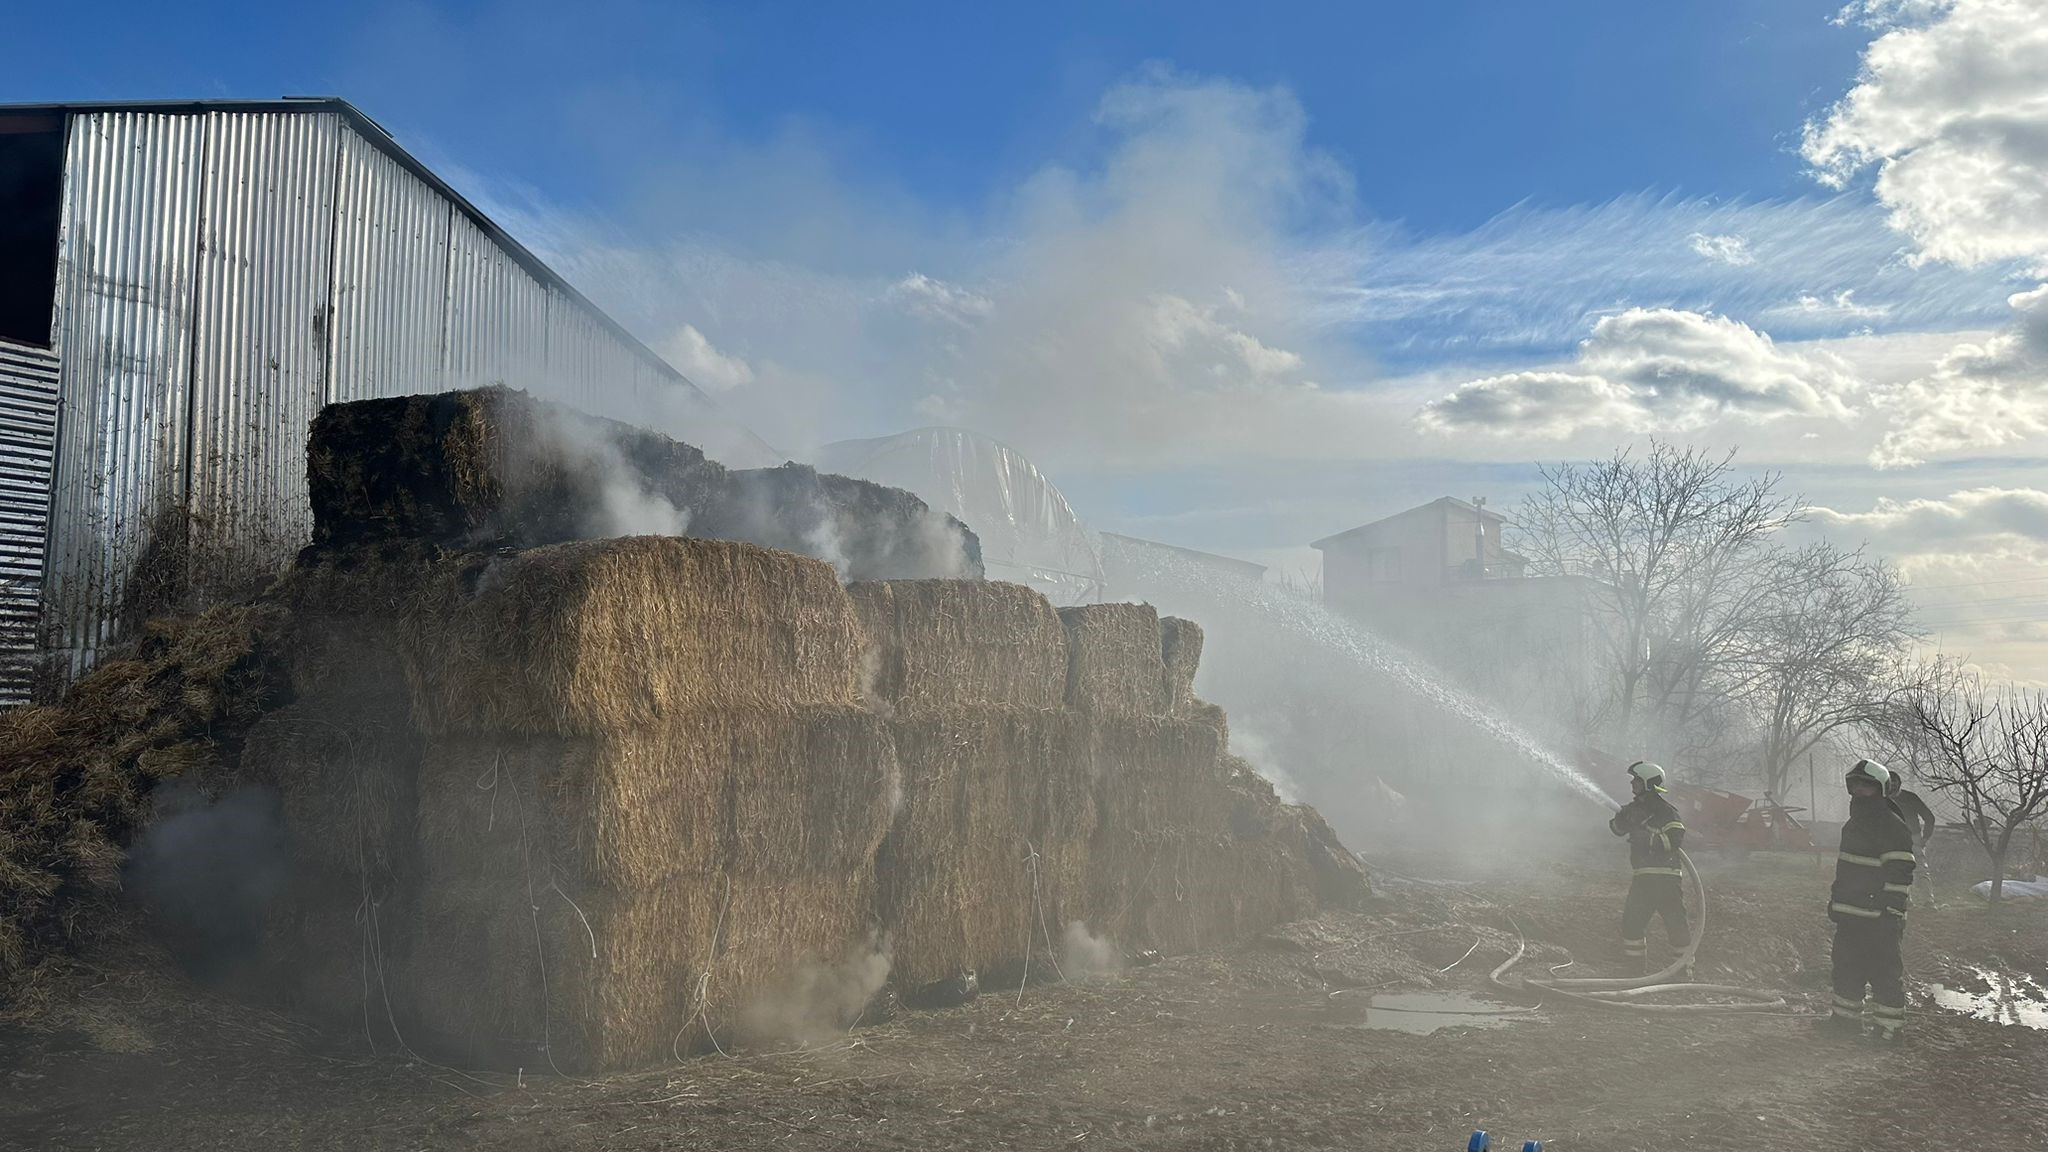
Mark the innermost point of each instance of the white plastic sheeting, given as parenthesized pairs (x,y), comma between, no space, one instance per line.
(1029,533)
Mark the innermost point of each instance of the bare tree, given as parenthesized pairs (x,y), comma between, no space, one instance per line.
(1823,652)
(1678,547)
(1986,750)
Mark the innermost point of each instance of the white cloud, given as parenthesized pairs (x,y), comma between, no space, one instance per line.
(930,299)
(1655,369)
(1180,329)
(695,357)
(1978,517)
(1731,250)
(1840,305)
(1988,394)
(1951,108)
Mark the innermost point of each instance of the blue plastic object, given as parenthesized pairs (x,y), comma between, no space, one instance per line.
(1532,1146)
(1479,1142)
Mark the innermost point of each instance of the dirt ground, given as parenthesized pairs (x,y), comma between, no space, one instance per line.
(1245,1049)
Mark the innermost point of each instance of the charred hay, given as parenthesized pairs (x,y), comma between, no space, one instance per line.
(496,468)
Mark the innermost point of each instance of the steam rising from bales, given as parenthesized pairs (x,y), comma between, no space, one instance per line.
(207,871)
(1085,956)
(820,1000)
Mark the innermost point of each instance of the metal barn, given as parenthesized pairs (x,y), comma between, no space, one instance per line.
(184,285)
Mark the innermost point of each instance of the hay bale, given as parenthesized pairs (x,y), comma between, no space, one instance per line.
(749,791)
(1180,645)
(1115,660)
(486,467)
(345,608)
(867,531)
(495,467)
(590,980)
(991,848)
(614,635)
(951,643)
(334,950)
(348,784)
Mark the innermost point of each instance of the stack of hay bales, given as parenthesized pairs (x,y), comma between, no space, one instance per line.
(1173,864)
(987,858)
(647,794)
(344,760)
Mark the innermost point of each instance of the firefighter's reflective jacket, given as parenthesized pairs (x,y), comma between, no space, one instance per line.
(1655,834)
(1874,873)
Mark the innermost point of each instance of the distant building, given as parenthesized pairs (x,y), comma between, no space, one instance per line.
(1437,580)
(1125,557)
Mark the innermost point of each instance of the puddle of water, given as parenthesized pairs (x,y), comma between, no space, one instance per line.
(1421,1013)
(2020,1001)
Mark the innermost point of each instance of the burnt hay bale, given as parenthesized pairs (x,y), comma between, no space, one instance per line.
(497,468)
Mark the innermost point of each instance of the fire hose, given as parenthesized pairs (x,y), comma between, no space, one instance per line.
(1626,992)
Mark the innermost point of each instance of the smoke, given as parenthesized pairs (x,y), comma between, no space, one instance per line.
(207,873)
(1144,298)
(569,442)
(824,542)
(1085,956)
(1248,743)
(820,1000)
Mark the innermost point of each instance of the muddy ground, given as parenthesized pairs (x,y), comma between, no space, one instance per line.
(1245,1049)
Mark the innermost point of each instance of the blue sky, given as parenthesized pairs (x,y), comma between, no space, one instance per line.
(1448,113)
(1239,275)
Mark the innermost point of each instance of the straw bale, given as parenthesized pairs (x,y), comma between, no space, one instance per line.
(992,845)
(1180,644)
(483,467)
(598,980)
(334,947)
(948,643)
(752,791)
(495,467)
(347,781)
(1182,892)
(1115,661)
(345,605)
(605,636)
(867,531)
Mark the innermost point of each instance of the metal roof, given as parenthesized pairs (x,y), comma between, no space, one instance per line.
(1440,504)
(374,132)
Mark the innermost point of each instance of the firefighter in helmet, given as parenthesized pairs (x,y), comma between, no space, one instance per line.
(1873,885)
(1655,834)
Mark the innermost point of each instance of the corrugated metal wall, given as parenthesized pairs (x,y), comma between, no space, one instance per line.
(497,315)
(266,232)
(125,278)
(390,277)
(28,450)
(222,275)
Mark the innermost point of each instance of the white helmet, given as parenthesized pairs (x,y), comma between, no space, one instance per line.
(1872,771)
(1650,774)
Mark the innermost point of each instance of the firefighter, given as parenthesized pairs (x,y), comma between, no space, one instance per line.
(1873,884)
(1912,809)
(1921,823)
(1655,835)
